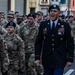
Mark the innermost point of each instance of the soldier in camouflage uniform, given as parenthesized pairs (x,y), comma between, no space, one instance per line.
(3,21)
(4,60)
(10,17)
(15,48)
(20,20)
(2,30)
(28,33)
(39,18)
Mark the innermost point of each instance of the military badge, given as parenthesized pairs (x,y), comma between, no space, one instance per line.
(58,23)
(54,6)
(48,23)
(44,31)
(61,31)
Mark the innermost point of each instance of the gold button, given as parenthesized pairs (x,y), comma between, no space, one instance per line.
(53,49)
(52,35)
(52,39)
(52,44)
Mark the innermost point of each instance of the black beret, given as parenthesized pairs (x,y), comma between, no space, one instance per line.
(11,23)
(54,6)
(31,15)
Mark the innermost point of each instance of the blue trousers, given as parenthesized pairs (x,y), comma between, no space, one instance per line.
(58,71)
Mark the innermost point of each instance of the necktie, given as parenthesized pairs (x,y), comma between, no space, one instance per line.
(53,25)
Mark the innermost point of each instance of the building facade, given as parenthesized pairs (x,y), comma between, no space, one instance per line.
(72,8)
(14,5)
(64,7)
(44,6)
(32,6)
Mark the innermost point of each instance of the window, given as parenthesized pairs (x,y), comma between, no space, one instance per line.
(62,1)
(32,10)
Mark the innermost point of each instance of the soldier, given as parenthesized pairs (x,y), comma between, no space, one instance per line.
(20,20)
(58,44)
(3,21)
(28,33)
(15,48)
(40,17)
(4,60)
(25,18)
(10,17)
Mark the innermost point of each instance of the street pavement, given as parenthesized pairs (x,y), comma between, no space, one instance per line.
(70,70)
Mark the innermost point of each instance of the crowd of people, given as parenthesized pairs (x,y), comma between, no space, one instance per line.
(30,46)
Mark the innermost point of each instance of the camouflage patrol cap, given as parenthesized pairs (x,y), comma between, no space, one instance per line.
(11,23)
(10,15)
(54,6)
(11,12)
(31,15)
(19,16)
(40,13)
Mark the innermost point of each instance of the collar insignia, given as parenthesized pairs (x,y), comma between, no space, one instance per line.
(58,23)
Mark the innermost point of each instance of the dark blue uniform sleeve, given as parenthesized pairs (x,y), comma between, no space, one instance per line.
(70,43)
(38,43)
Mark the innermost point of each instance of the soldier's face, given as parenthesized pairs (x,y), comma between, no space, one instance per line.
(40,17)
(19,20)
(10,19)
(31,20)
(10,29)
(54,14)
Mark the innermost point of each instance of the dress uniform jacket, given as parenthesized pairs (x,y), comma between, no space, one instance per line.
(57,44)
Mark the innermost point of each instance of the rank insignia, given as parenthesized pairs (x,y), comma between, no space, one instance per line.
(58,23)
(48,23)
(61,38)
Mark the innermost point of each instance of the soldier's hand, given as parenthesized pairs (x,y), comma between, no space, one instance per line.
(37,62)
(68,64)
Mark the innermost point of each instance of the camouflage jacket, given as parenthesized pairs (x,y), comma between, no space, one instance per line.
(28,33)
(15,48)
(4,60)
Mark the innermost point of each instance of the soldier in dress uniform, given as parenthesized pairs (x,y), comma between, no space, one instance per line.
(56,37)
(15,48)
